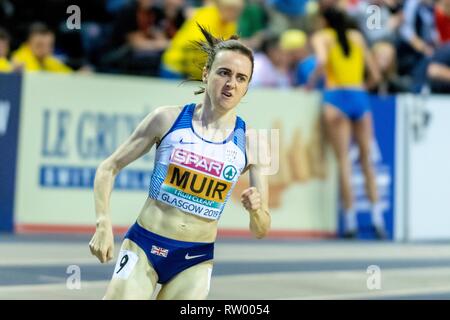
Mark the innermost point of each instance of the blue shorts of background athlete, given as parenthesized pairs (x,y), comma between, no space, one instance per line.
(354,103)
(167,256)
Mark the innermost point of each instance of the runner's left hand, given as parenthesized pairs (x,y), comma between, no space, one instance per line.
(251,199)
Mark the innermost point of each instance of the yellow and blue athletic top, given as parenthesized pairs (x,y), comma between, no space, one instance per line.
(342,70)
(195,175)
(345,78)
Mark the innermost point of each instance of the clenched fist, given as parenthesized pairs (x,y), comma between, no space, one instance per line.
(251,199)
(102,243)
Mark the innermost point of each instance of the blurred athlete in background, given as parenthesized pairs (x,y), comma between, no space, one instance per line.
(342,56)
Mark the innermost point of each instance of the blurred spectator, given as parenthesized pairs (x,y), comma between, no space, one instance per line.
(389,19)
(301,60)
(439,70)
(385,58)
(115,6)
(442,15)
(6,13)
(137,25)
(294,43)
(287,14)
(418,39)
(195,4)
(5,65)
(253,19)
(320,6)
(271,65)
(36,54)
(80,47)
(182,59)
(313,19)
(173,17)
(141,33)
(340,4)
(304,70)
(253,22)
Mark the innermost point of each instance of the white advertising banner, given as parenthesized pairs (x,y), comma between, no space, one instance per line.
(427,210)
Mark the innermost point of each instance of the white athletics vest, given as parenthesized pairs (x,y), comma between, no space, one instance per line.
(195,175)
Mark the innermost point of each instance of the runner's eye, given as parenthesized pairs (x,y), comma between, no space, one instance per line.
(223,72)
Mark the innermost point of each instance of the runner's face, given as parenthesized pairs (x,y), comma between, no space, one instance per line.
(228,79)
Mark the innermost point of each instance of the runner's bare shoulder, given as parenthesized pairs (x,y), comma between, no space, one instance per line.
(165,117)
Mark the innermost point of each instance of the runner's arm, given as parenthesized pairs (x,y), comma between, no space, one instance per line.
(139,143)
(256,198)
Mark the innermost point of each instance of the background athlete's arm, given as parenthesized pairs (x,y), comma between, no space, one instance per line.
(139,143)
(374,72)
(256,198)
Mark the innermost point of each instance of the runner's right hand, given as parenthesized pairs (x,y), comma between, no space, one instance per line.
(102,243)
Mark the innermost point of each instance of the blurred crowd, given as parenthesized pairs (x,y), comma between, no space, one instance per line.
(409,39)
